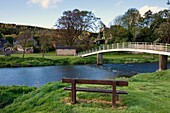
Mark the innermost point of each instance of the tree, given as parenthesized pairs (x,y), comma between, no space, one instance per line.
(44,41)
(1,36)
(145,35)
(118,20)
(118,33)
(147,18)
(131,18)
(73,23)
(25,40)
(163,32)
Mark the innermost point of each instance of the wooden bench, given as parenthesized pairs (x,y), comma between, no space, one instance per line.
(114,83)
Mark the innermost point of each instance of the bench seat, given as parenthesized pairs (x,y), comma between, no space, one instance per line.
(96,90)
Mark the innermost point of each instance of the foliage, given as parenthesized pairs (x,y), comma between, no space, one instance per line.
(9,93)
(152,27)
(131,18)
(118,34)
(145,35)
(25,62)
(163,32)
(146,93)
(73,23)
(1,36)
(10,39)
(44,41)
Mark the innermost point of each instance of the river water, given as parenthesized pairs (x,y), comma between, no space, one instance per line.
(37,76)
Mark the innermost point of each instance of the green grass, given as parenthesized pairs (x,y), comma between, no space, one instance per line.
(49,55)
(148,93)
(16,60)
(9,93)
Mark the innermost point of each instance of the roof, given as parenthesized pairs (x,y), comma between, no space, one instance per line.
(65,47)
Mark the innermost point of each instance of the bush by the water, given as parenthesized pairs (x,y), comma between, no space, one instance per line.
(21,62)
(34,61)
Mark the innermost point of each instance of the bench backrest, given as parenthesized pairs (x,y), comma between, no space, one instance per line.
(99,82)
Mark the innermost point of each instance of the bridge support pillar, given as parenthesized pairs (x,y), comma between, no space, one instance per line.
(163,62)
(99,59)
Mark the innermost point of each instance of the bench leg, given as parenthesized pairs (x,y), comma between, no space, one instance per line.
(114,94)
(73,92)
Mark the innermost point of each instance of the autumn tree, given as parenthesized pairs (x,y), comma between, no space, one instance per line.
(73,23)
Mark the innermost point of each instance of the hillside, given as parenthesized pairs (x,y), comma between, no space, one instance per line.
(147,93)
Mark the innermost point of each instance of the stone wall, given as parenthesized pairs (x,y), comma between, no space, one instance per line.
(65,52)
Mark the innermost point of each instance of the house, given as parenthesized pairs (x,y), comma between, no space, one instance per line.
(27,50)
(65,51)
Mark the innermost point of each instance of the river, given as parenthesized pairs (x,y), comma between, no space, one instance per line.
(37,76)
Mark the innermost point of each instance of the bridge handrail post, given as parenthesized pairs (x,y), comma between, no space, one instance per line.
(154,46)
(160,46)
(166,47)
(129,45)
(99,48)
(151,46)
(103,47)
(123,45)
(145,45)
(117,45)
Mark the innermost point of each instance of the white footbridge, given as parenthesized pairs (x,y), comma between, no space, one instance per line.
(143,47)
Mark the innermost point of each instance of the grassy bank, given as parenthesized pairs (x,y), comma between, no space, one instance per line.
(50,59)
(9,93)
(148,93)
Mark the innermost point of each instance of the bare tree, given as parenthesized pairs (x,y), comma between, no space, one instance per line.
(25,40)
(44,40)
(73,23)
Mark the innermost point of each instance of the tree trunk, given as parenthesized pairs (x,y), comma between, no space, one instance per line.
(23,55)
(43,54)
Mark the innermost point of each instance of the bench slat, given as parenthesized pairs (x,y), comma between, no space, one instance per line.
(100,82)
(96,90)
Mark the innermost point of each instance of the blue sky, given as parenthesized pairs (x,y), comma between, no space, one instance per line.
(44,13)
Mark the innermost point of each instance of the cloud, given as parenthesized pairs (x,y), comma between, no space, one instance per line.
(45,3)
(118,3)
(154,9)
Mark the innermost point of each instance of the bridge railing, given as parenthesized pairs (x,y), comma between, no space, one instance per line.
(130,45)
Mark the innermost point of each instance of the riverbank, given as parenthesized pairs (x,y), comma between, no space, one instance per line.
(147,92)
(50,59)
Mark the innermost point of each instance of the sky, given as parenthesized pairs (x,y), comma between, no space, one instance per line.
(44,13)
